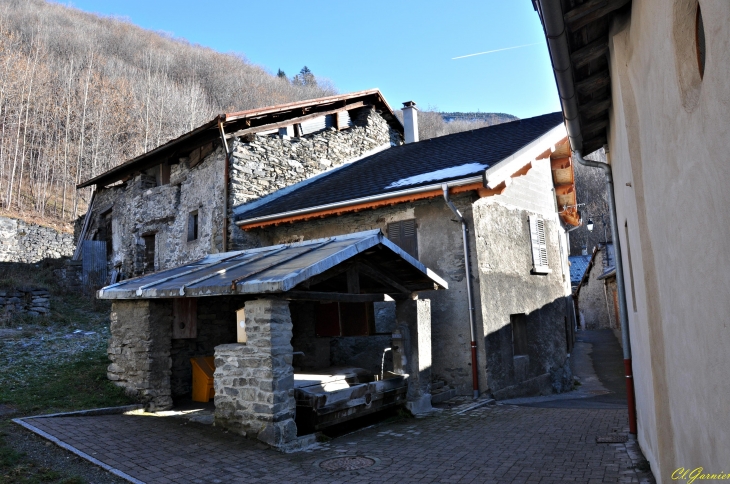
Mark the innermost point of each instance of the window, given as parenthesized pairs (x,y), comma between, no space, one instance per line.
(519,334)
(700,41)
(539,245)
(403,234)
(193,226)
(149,253)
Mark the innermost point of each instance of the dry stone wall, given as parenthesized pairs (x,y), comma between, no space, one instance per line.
(28,243)
(34,301)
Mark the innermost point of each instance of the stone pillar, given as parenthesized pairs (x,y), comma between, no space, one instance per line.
(139,349)
(254,381)
(413,318)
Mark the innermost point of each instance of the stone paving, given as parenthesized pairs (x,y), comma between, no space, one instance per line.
(490,444)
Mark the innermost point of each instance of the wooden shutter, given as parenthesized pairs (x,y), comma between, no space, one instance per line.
(357,319)
(539,245)
(404,235)
(327,319)
(184,318)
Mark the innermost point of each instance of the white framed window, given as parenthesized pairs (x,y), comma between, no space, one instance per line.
(539,245)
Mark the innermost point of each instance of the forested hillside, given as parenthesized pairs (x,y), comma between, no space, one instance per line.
(81,93)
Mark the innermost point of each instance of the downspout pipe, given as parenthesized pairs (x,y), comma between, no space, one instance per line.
(226,178)
(551,13)
(469,290)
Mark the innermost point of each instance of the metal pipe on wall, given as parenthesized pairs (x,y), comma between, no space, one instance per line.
(469,290)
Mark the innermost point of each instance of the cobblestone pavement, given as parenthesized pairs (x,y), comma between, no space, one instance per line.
(490,444)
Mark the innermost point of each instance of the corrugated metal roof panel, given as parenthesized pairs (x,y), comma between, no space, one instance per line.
(272,269)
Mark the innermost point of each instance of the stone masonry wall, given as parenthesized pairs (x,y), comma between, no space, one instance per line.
(254,381)
(33,301)
(270,163)
(139,349)
(28,243)
(257,168)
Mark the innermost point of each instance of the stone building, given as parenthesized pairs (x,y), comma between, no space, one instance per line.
(255,310)
(172,204)
(596,296)
(648,79)
(507,181)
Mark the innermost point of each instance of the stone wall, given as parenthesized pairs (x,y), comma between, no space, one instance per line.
(28,243)
(269,163)
(139,349)
(254,381)
(593,304)
(258,167)
(34,301)
(509,287)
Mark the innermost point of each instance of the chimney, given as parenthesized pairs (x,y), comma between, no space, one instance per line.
(410,122)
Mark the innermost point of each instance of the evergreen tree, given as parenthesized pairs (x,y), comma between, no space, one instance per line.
(281,74)
(304,78)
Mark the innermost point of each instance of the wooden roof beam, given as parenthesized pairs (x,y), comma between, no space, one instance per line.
(594,108)
(593,83)
(583,56)
(591,11)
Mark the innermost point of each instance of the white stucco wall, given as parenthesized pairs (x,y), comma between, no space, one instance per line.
(668,140)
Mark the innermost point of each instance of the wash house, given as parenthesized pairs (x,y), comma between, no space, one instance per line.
(273,319)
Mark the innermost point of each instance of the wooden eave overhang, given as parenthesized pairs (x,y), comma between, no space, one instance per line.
(561,167)
(587,24)
(247,122)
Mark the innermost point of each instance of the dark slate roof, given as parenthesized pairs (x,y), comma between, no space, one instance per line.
(578,266)
(467,154)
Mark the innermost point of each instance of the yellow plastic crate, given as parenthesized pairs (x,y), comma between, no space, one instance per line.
(203,369)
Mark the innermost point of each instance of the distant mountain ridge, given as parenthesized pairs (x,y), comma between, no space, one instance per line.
(490,118)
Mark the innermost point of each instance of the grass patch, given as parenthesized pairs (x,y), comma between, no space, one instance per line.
(73,385)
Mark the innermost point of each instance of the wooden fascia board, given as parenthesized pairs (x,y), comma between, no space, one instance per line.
(504,169)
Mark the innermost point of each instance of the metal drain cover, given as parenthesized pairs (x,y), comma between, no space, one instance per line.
(349,463)
(612,439)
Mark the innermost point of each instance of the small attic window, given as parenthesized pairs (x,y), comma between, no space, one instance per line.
(700,41)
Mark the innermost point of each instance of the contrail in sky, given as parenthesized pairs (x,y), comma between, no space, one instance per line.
(496,50)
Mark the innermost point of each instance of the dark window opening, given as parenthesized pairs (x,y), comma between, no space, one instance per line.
(164,177)
(700,41)
(149,253)
(519,334)
(403,234)
(345,319)
(193,226)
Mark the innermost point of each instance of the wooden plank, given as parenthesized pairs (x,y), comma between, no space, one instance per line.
(331,296)
(594,108)
(353,281)
(564,189)
(590,52)
(380,277)
(591,11)
(595,125)
(593,83)
(298,120)
(560,163)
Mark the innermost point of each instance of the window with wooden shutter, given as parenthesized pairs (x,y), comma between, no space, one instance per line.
(539,245)
(404,235)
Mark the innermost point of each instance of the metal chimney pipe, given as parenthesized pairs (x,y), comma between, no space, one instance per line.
(410,122)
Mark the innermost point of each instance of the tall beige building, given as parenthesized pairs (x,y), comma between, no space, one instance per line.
(650,79)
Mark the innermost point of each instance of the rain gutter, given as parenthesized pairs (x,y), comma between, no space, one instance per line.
(553,22)
(469,290)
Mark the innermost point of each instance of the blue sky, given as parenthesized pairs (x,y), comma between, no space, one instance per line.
(405,48)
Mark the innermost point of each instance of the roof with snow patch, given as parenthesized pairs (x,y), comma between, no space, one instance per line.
(436,160)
